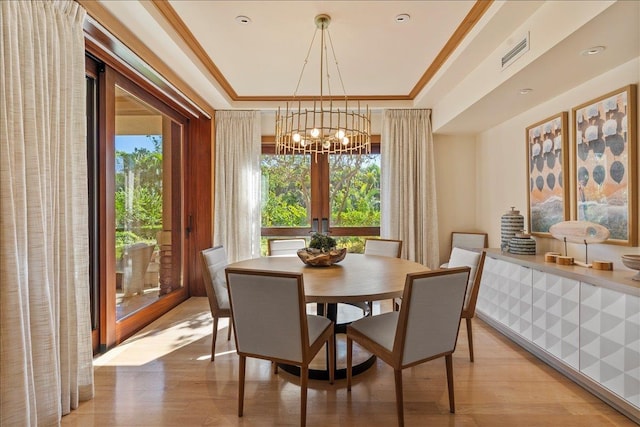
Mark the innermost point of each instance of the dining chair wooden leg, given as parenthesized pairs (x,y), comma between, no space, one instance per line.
(241,372)
(229,331)
(304,379)
(399,399)
(214,335)
(349,361)
(275,368)
(470,338)
(449,361)
(332,358)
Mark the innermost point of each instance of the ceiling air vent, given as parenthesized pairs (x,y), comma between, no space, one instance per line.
(516,51)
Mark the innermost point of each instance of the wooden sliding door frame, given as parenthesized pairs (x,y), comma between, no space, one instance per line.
(196,204)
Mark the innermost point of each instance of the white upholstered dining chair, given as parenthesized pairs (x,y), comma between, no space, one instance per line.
(475,261)
(469,240)
(425,328)
(214,261)
(285,247)
(382,247)
(270,322)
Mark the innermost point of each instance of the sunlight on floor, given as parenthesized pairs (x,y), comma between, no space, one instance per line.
(153,343)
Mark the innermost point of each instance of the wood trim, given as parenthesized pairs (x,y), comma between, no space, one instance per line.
(107,215)
(633,165)
(92,70)
(169,13)
(469,21)
(199,200)
(304,231)
(136,321)
(470,310)
(121,40)
(149,85)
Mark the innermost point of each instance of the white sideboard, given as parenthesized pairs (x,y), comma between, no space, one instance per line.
(583,322)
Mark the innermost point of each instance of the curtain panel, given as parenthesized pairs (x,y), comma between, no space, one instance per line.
(408,186)
(45,330)
(236,223)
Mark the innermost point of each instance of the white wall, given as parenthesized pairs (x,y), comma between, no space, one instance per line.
(456,184)
(501,173)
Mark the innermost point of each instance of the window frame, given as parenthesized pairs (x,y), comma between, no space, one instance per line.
(320,207)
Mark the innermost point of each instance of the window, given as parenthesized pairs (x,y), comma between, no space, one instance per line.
(339,194)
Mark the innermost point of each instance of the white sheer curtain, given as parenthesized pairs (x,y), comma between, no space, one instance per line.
(408,186)
(45,328)
(236,222)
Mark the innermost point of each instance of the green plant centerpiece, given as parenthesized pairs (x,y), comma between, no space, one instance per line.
(322,251)
(323,242)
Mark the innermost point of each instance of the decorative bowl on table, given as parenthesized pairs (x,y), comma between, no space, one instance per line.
(319,258)
(632,262)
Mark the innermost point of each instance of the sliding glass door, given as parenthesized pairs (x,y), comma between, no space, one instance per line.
(147,153)
(136,154)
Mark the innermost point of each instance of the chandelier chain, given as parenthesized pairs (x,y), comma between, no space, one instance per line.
(304,65)
(335,60)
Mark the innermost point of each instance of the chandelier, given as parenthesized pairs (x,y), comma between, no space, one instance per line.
(325,129)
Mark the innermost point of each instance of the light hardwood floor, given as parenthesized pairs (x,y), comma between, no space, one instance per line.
(163,377)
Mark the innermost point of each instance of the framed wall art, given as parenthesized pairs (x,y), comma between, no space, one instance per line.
(605,164)
(547,163)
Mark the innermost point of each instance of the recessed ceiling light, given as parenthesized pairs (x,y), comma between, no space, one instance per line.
(525,91)
(244,20)
(403,17)
(592,50)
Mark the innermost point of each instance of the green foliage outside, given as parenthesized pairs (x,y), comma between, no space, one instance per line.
(354,190)
(354,193)
(286,191)
(138,196)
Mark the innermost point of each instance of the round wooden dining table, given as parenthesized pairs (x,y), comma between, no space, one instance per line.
(356,279)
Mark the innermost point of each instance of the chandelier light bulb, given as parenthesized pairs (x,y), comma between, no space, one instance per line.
(315,132)
(296,137)
(340,134)
(326,144)
(303,143)
(345,141)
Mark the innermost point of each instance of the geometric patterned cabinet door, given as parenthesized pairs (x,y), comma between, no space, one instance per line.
(610,340)
(505,295)
(556,316)
(490,288)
